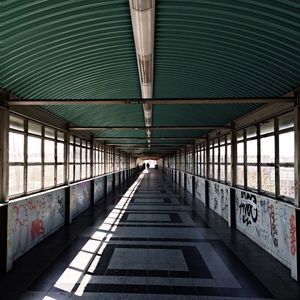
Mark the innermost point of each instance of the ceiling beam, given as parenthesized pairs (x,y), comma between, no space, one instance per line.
(144,138)
(143,145)
(200,101)
(95,128)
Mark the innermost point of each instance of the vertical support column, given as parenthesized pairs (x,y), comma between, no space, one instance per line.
(206,192)
(68,217)
(231,216)
(92,172)
(4,226)
(4,126)
(193,171)
(295,263)
(233,158)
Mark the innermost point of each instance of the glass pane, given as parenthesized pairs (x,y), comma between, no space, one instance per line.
(251,131)
(71,172)
(286,121)
(34,128)
(222,154)
(60,136)
(210,155)
(34,178)
(49,132)
(240,135)
(16,147)
(49,176)
(77,141)
(228,178)
(34,149)
(210,171)
(77,172)
(216,171)
(222,140)
(286,147)
(287,182)
(60,152)
(16,123)
(267,127)
(60,174)
(71,153)
(16,180)
(49,150)
(240,175)
(71,139)
(88,171)
(252,177)
(267,149)
(216,155)
(77,154)
(268,179)
(83,171)
(88,154)
(83,155)
(252,151)
(83,143)
(228,138)
(222,172)
(240,152)
(229,153)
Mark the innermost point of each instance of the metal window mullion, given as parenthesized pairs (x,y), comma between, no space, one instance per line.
(55,157)
(277,176)
(43,157)
(67,158)
(297,153)
(245,159)
(25,155)
(219,159)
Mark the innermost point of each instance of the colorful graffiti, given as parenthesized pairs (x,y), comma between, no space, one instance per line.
(293,234)
(33,219)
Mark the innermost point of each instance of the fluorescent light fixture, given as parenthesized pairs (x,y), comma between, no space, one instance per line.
(143,21)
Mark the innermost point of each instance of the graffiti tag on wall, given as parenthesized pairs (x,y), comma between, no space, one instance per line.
(248,208)
(293,234)
(268,222)
(33,219)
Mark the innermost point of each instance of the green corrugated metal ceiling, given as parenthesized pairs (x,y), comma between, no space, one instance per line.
(84,49)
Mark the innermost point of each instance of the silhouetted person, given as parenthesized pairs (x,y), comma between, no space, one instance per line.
(148,166)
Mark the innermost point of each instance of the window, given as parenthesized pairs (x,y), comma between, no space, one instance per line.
(240,176)
(36,156)
(286,156)
(228,158)
(251,158)
(265,157)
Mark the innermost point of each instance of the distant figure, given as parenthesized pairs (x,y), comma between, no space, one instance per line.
(144,166)
(148,166)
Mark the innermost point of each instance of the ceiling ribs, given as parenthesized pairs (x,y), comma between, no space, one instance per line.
(199,101)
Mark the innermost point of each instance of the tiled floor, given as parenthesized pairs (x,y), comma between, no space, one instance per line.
(150,245)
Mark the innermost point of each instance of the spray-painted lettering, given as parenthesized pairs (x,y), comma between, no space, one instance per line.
(37,228)
(293,234)
(248,208)
(274,231)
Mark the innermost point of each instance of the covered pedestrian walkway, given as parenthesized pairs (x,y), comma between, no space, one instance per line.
(150,149)
(150,244)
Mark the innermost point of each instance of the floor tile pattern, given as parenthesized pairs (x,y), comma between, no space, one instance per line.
(151,245)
